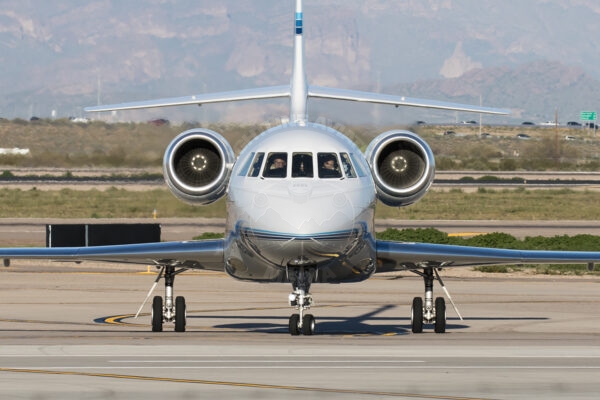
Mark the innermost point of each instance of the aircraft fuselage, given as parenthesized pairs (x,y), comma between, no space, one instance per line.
(300,196)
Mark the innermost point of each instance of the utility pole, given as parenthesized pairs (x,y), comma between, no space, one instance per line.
(556,142)
(480,116)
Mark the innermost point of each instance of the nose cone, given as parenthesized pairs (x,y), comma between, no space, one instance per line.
(308,208)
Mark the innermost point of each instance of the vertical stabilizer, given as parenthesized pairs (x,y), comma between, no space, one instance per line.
(299,87)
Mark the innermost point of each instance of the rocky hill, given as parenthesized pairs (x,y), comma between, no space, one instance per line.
(532,56)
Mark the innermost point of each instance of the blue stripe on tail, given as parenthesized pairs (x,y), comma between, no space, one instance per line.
(298,23)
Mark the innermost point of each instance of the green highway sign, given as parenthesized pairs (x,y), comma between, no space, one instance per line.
(588,116)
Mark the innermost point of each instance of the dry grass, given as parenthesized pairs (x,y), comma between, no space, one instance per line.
(62,143)
(515,204)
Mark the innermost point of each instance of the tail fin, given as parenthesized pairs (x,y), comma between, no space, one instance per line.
(298,85)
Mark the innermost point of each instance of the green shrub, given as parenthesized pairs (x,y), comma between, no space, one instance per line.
(505,241)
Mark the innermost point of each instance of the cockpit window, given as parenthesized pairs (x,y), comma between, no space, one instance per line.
(255,170)
(329,166)
(302,165)
(276,165)
(246,166)
(357,165)
(347,165)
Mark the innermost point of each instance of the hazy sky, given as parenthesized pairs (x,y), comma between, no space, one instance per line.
(54,54)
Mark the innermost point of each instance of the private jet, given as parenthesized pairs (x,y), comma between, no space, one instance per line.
(300,202)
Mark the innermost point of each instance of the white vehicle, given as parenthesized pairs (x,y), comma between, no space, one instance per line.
(300,205)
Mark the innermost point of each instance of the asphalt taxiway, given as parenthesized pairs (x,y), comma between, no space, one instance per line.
(67,331)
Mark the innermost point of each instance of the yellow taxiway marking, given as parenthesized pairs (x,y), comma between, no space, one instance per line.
(466,234)
(229,383)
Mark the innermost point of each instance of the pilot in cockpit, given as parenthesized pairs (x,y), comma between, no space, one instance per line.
(276,167)
(328,166)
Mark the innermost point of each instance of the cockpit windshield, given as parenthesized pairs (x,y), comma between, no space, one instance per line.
(303,164)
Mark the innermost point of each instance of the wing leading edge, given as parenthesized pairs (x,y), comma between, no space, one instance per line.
(205,254)
(399,256)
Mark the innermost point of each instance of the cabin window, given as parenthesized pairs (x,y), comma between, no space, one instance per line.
(255,170)
(329,166)
(302,165)
(347,165)
(276,166)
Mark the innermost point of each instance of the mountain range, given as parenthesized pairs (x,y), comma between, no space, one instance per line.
(535,57)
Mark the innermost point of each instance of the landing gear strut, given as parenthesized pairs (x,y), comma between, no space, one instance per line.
(426,310)
(301,299)
(169,310)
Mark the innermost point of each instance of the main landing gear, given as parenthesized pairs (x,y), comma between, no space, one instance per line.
(425,310)
(168,311)
(301,299)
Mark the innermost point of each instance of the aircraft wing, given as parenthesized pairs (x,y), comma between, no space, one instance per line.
(399,256)
(369,97)
(235,95)
(197,254)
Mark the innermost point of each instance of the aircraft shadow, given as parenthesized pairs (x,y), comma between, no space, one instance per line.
(370,323)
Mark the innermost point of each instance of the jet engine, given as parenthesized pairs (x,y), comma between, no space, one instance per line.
(197,166)
(402,165)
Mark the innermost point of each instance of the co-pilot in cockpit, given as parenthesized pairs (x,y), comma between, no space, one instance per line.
(329,166)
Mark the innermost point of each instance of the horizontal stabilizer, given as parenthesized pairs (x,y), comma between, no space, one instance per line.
(369,97)
(235,95)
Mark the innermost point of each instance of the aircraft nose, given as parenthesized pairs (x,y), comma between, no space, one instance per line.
(300,192)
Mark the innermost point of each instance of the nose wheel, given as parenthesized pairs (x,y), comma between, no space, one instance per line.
(301,323)
(306,328)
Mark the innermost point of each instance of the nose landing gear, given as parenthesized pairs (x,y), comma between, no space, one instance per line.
(302,300)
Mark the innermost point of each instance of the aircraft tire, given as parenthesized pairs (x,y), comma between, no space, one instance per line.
(416,315)
(308,325)
(180,314)
(157,314)
(293,325)
(440,315)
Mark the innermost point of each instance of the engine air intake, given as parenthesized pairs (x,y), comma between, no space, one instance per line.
(403,167)
(197,166)
(197,163)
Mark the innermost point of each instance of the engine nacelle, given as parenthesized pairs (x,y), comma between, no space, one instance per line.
(197,166)
(403,167)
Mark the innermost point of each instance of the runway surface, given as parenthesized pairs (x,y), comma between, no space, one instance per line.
(67,332)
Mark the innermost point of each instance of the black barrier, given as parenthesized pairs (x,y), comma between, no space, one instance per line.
(84,235)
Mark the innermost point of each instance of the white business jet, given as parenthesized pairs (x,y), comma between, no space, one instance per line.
(300,205)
